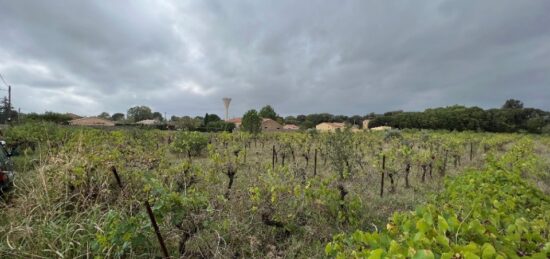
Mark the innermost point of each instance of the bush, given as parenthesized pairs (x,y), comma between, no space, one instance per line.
(191,143)
(218,126)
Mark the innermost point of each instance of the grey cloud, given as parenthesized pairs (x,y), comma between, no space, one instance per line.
(351,57)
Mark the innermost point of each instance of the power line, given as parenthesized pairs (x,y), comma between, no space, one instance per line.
(3,80)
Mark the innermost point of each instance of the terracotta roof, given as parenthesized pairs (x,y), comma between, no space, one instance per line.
(333,124)
(148,122)
(381,128)
(91,121)
(235,120)
(73,116)
(291,127)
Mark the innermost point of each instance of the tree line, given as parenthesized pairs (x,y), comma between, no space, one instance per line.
(511,117)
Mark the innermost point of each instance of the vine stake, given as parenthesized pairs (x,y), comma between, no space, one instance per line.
(383,172)
(315,163)
(156,227)
(118,181)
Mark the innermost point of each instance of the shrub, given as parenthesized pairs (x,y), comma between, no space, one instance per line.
(191,143)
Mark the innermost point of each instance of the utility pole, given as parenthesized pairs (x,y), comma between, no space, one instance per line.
(9,102)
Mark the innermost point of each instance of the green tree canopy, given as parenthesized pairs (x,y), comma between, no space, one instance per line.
(252,122)
(268,112)
(139,113)
(186,122)
(104,115)
(158,116)
(513,104)
(117,116)
(210,118)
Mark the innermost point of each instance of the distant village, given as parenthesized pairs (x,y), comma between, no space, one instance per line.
(270,121)
(267,124)
(511,117)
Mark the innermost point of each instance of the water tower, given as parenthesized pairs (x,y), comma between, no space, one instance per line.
(226,102)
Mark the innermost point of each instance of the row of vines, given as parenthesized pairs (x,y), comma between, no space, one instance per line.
(84,192)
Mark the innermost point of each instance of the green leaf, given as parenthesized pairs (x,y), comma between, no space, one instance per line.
(422,226)
(470,255)
(488,251)
(442,225)
(424,254)
(376,254)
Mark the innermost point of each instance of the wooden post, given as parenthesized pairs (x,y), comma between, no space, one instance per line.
(407,171)
(445,163)
(118,181)
(315,163)
(471,151)
(273,158)
(245,153)
(157,230)
(383,172)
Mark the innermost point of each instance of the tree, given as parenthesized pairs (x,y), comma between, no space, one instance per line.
(7,113)
(210,118)
(139,113)
(216,126)
(186,122)
(268,112)
(157,116)
(252,122)
(117,116)
(513,104)
(291,120)
(104,115)
(49,116)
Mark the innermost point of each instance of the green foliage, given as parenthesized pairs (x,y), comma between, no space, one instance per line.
(122,234)
(339,146)
(468,118)
(117,116)
(191,143)
(513,104)
(268,112)
(209,118)
(104,115)
(186,122)
(58,118)
(251,122)
(481,214)
(139,113)
(67,202)
(218,126)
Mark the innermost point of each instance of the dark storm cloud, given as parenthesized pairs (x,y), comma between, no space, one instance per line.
(350,57)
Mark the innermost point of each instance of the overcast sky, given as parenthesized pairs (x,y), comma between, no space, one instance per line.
(342,57)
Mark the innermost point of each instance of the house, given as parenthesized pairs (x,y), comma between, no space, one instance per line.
(92,121)
(366,124)
(329,126)
(271,125)
(148,122)
(236,121)
(381,128)
(290,127)
(73,116)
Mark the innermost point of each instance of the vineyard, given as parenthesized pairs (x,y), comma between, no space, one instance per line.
(134,193)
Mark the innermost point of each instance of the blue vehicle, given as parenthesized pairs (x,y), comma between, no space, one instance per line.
(6,168)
